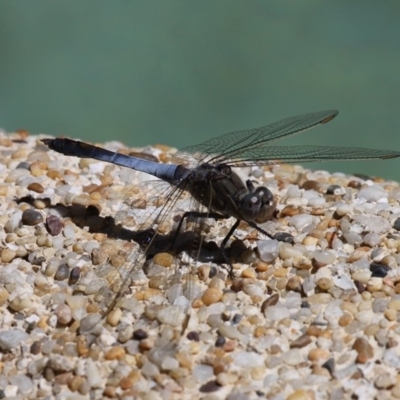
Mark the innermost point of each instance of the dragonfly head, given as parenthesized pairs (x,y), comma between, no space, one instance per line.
(258,204)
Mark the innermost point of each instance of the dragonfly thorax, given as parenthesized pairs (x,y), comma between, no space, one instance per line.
(221,190)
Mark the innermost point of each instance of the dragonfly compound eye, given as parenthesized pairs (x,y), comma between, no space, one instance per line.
(266,196)
(250,206)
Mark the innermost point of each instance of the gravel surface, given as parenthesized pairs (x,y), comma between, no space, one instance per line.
(313,319)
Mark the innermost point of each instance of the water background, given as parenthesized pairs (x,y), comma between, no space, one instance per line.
(179,72)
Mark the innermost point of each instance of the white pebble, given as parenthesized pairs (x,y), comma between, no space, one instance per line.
(301,220)
(325,256)
(292,357)
(171,315)
(268,250)
(372,193)
(12,338)
(276,313)
(248,359)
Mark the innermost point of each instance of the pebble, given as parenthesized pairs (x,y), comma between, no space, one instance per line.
(7,255)
(372,193)
(63,313)
(268,250)
(115,353)
(364,350)
(300,221)
(163,259)
(31,217)
(54,225)
(292,357)
(36,187)
(12,338)
(276,313)
(171,315)
(248,359)
(62,273)
(211,296)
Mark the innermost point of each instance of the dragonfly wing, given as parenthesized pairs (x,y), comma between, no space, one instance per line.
(269,155)
(233,145)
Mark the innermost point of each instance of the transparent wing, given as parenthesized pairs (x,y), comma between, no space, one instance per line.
(265,155)
(233,145)
(125,275)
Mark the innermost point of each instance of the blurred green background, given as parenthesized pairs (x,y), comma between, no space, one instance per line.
(179,72)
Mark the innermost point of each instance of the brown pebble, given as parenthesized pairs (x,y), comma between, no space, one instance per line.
(75,383)
(230,345)
(271,301)
(110,392)
(317,354)
(300,394)
(36,187)
(211,296)
(289,211)
(311,185)
(324,283)
(294,284)
(249,273)
(115,353)
(261,266)
(163,259)
(345,319)
(364,350)
(300,342)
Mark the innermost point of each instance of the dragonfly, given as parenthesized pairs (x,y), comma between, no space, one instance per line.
(207,173)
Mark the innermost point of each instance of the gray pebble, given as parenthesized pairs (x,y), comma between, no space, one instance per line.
(31,217)
(62,273)
(12,338)
(268,250)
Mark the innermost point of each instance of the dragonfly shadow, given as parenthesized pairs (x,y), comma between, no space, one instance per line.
(88,217)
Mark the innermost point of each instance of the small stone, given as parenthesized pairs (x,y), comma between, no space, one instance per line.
(276,313)
(372,193)
(31,217)
(115,353)
(300,221)
(163,259)
(74,275)
(300,394)
(114,317)
(336,190)
(324,284)
(317,354)
(36,187)
(379,270)
(211,296)
(140,334)
(62,272)
(248,359)
(7,255)
(300,342)
(69,232)
(171,315)
(268,250)
(21,302)
(364,350)
(12,338)
(54,225)
(63,313)
(292,357)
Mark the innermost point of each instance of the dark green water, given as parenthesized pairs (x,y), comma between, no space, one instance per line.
(179,72)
